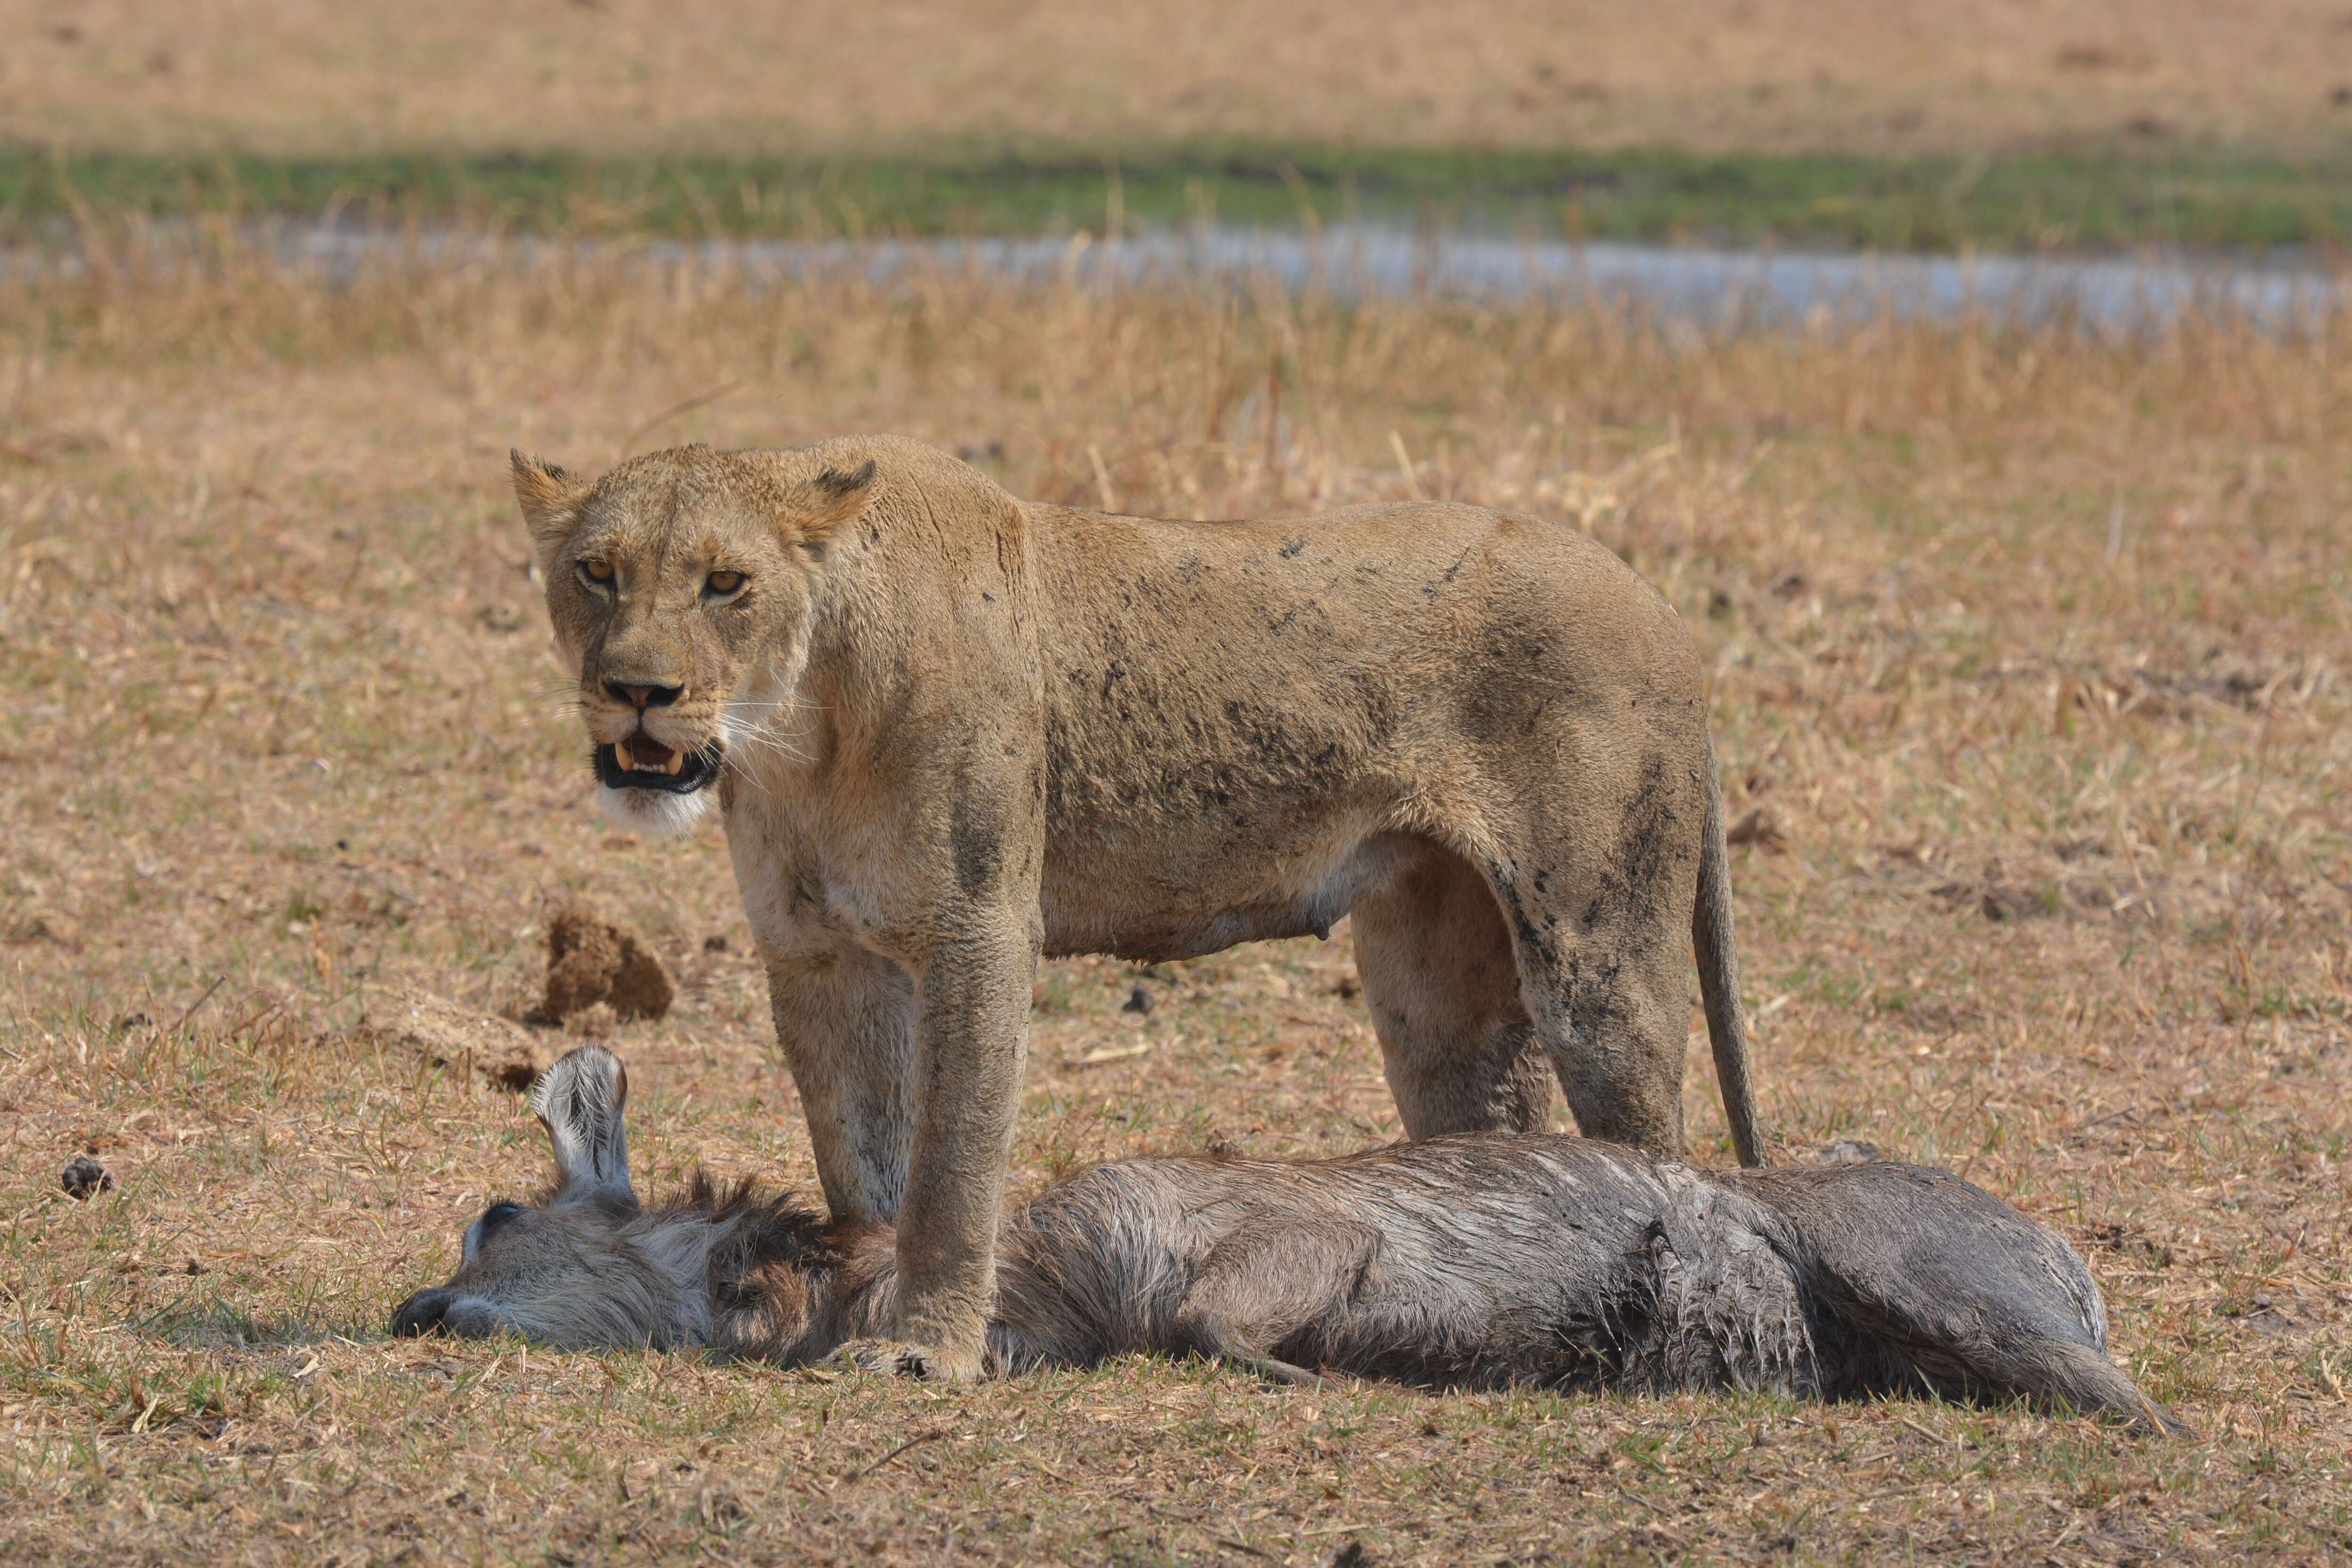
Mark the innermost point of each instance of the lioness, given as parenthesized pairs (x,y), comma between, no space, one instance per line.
(1475,1260)
(951,730)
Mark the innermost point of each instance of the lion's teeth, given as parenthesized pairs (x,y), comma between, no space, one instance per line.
(621,756)
(675,765)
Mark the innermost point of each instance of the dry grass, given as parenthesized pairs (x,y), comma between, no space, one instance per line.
(2028,652)
(630,75)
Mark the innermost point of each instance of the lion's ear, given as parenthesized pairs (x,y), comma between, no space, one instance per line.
(821,506)
(549,499)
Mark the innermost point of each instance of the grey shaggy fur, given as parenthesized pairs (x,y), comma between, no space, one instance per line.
(1475,1260)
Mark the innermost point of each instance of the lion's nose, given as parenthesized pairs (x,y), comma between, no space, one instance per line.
(421,1313)
(643,697)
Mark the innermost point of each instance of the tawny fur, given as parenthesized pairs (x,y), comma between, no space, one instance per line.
(952,730)
(1470,1260)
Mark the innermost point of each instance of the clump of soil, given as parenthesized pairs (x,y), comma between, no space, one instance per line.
(84,1177)
(592,963)
(446,1034)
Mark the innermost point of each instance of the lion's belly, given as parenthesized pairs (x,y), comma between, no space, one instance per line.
(1151,907)
(1237,716)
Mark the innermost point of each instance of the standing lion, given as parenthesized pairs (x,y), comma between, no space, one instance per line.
(950,730)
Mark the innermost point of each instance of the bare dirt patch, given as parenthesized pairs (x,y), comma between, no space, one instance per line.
(631,76)
(469,1042)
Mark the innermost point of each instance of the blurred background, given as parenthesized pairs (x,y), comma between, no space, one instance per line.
(2012,123)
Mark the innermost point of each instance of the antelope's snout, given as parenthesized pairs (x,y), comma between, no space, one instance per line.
(422,1313)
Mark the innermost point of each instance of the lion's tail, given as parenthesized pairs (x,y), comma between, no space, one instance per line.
(1718,976)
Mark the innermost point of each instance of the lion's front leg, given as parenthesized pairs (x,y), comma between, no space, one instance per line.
(845,1022)
(971,1036)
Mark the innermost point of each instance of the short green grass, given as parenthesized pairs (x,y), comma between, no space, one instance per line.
(2089,197)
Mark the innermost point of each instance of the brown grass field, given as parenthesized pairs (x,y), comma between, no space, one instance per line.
(2028,656)
(632,75)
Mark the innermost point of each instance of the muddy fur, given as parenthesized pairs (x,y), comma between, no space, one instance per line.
(1473,1261)
(952,730)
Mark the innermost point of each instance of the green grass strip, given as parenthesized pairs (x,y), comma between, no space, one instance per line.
(2096,198)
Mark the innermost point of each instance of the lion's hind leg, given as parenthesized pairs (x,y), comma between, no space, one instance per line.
(1443,989)
(1596,886)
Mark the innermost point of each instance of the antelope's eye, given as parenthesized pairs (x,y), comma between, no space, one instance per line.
(598,571)
(721,583)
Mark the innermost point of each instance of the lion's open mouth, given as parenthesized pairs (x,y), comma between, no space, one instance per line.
(640,762)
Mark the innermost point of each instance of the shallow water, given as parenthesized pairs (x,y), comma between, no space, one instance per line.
(1707,287)
(1704,287)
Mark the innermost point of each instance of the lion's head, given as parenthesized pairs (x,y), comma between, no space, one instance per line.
(680,585)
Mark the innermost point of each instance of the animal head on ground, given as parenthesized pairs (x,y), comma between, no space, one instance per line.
(585,1264)
(680,586)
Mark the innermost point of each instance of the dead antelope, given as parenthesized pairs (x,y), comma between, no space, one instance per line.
(1475,1260)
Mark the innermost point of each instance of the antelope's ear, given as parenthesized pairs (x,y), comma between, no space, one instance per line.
(579,1101)
(820,507)
(549,499)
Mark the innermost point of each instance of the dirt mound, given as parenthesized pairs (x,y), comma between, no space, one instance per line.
(84,1177)
(467,1038)
(592,963)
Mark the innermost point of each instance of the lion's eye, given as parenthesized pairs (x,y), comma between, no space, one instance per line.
(597,572)
(722,583)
